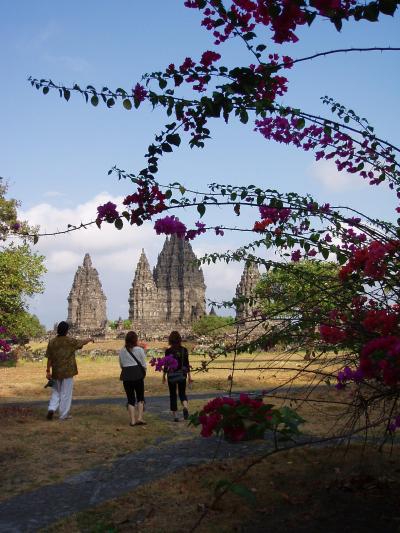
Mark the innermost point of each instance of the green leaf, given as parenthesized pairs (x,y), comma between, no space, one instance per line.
(162,83)
(166,147)
(110,102)
(325,253)
(388,7)
(118,223)
(174,138)
(201,208)
(94,100)
(67,94)
(35,239)
(244,117)
(127,104)
(45,90)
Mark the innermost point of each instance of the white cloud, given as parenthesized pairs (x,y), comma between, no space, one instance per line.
(327,174)
(114,254)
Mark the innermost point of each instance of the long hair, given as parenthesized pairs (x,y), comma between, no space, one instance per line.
(175,339)
(131,339)
(62,329)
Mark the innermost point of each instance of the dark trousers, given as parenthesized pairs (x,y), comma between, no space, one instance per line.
(134,391)
(173,400)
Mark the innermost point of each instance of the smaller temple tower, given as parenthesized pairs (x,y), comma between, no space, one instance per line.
(250,277)
(86,300)
(144,308)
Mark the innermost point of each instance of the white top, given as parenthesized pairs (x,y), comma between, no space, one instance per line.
(125,359)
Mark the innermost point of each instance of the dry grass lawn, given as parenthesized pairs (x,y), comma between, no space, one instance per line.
(36,452)
(304,490)
(99,377)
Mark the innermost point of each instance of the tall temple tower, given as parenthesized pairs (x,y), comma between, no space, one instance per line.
(86,300)
(180,283)
(250,277)
(144,308)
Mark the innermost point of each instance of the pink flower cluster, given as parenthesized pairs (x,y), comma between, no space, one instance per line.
(5,348)
(107,212)
(170,225)
(347,374)
(395,424)
(282,17)
(149,200)
(371,261)
(274,214)
(164,364)
(214,416)
(380,359)
(329,145)
(139,93)
(193,233)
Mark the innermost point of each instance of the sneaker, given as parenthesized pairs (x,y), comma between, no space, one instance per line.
(185,413)
(50,415)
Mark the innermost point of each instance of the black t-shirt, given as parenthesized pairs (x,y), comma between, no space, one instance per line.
(181,355)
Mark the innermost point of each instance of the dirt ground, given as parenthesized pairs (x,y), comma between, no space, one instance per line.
(35,452)
(305,490)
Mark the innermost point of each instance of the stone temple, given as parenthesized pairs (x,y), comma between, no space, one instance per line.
(170,297)
(86,300)
(173,296)
(250,277)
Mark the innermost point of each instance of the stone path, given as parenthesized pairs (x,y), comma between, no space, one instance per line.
(41,507)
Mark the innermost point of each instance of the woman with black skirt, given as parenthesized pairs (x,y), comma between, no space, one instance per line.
(132,360)
(177,378)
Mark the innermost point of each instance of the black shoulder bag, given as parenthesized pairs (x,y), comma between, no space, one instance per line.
(133,373)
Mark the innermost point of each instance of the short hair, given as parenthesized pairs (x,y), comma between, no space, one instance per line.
(175,338)
(131,338)
(62,328)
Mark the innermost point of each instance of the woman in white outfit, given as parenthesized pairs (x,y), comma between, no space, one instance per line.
(132,359)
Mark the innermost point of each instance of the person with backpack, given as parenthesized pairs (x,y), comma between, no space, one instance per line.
(132,360)
(177,378)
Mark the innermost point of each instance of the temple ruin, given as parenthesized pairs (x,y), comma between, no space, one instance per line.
(245,289)
(170,297)
(173,296)
(86,300)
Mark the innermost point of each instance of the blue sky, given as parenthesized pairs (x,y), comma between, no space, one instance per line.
(56,154)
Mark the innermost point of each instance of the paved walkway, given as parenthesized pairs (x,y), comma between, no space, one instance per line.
(42,507)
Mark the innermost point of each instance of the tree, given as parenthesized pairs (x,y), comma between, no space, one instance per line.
(294,297)
(366,332)
(212,325)
(20,273)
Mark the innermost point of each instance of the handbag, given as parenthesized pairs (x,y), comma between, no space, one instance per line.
(133,373)
(177,376)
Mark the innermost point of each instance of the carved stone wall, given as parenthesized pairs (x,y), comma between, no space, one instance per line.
(86,300)
(144,307)
(180,283)
(245,288)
